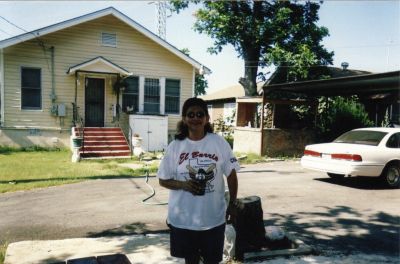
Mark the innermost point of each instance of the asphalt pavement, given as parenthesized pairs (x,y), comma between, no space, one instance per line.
(354,217)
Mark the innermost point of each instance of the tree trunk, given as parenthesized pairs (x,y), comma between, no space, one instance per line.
(249,81)
(249,226)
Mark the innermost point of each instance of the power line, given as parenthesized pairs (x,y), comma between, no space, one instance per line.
(11,23)
(6,32)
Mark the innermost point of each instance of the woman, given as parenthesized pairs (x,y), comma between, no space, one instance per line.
(193,169)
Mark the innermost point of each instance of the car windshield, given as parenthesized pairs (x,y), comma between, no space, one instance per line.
(364,137)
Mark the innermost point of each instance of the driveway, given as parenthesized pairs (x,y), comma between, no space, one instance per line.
(354,216)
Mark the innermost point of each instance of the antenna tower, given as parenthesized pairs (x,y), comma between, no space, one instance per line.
(161,13)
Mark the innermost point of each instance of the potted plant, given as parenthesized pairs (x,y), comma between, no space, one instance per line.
(77,142)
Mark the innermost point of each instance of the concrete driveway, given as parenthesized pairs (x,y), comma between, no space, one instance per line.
(356,215)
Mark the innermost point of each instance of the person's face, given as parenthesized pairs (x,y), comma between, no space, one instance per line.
(195,119)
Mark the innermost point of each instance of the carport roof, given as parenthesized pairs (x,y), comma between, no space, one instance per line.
(366,84)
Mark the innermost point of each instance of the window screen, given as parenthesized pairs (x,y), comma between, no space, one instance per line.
(109,39)
(31,91)
(172,94)
(151,95)
(130,96)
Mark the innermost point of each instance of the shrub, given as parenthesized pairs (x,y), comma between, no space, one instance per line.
(338,115)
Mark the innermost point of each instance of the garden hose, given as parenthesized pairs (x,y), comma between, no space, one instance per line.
(153,192)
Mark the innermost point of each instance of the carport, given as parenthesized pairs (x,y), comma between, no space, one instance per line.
(380,93)
(377,92)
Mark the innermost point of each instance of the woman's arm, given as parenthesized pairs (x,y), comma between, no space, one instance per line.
(232,186)
(232,181)
(189,186)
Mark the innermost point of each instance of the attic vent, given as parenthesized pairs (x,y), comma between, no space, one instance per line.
(109,39)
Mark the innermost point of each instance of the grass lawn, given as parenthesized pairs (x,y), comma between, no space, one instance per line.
(25,169)
(29,169)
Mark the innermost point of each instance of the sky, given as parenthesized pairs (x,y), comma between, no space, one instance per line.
(366,34)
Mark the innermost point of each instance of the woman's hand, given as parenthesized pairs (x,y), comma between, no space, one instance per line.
(231,212)
(194,187)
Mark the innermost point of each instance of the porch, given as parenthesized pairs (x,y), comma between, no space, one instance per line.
(264,127)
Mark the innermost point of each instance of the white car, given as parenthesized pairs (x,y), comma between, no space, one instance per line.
(373,152)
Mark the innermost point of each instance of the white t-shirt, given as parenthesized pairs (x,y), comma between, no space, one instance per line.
(209,158)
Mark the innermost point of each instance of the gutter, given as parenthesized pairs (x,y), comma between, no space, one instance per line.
(2,87)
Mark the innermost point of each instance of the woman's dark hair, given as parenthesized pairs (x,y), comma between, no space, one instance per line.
(182,129)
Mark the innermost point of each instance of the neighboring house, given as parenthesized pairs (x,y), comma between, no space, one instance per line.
(282,135)
(52,76)
(222,103)
(277,133)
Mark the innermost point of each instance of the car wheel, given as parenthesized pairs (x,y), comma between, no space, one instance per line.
(391,175)
(335,176)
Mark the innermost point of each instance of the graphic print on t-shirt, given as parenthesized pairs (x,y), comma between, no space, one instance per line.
(202,170)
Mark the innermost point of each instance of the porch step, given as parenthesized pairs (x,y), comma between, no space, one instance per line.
(96,129)
(108,154)
(104,142)
(105,148)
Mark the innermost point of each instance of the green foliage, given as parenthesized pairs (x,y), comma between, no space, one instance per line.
(338,115)
(229,139)
(200,84)
(6,149)
(283,33)
(3,248)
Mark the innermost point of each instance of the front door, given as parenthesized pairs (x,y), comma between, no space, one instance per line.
(94,102)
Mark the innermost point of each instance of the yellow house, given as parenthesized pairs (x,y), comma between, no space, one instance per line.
(53,77)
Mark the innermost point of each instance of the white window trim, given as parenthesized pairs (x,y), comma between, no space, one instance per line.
(162,95)
(41,90)
(141,93)
(180,95)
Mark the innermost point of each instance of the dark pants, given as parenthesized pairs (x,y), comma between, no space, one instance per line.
(209,244)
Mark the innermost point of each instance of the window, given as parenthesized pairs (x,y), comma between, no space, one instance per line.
(31,91)
(394,141)
(130,96)
(151,95)
(364,137)
(172,94)
(109,39)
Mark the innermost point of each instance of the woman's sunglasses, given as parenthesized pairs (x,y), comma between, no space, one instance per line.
(199,114)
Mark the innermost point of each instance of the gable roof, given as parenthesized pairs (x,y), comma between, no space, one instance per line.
(98,64)
(98,14)
(230,92)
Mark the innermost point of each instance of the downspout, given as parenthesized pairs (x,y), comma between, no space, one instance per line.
(53,95)
(75,100)
(76,87)
(1,88)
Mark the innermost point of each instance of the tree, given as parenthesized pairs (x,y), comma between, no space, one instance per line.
(264,33)
(200,82)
